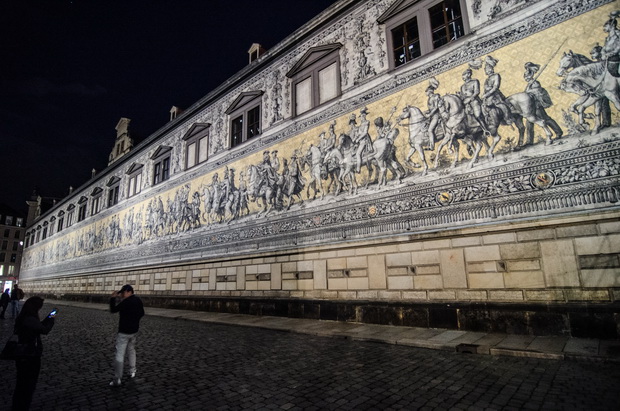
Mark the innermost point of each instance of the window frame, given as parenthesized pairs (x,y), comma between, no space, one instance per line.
(61,220)
(161,165)
(82,208)
(95,201)
(241,108)
(114,186)
(309,67)
(134,179)
(197,133)
(70,215)
(402,12)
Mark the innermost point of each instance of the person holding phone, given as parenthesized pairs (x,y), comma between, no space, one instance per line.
(130,311)
(29,328)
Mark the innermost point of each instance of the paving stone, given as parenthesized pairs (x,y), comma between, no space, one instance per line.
(198,365)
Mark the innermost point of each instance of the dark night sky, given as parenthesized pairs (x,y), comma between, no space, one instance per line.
(69,70)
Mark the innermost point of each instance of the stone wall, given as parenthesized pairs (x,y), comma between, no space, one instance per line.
(557,276)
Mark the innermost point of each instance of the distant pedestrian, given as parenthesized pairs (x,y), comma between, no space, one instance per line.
(4,301)
(29,328)
(131,311)
(16,295)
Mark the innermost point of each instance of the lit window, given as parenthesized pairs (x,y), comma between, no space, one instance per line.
(315,78)
(134,182)
(196,144)
(245,117)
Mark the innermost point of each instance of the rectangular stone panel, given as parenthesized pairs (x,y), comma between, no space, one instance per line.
(377,278)
(425,257)
(427,282)
(608,244)
(482,267)
(483,253)
(499,238)
(357,262)
(427,269)
(398,271)
(524,279)
(493,280)
(559,263)
(276,276)
(523,265)
(358,283)
(519,251)
(358,273)
(398,260)
(320,274)
(602,277)
(400,283)
(452,263)
(599,261)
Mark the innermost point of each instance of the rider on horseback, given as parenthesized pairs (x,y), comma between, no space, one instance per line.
(470,93)
(493,97)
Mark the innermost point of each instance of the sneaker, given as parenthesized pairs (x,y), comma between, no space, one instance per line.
(115,383)
(132,375)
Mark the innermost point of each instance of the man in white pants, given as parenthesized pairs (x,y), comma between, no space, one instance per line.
(131,311)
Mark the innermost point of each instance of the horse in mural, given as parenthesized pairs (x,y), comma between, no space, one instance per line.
(591,81)
(345,155)
(318,172)
(524,106)
(459,125)
(384,158)
(259,187)
(417,124)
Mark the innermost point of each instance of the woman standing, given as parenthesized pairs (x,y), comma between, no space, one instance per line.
(4,301)
(29,328)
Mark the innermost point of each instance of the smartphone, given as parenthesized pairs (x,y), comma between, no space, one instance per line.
(52,313)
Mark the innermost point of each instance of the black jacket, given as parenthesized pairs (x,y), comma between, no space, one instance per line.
(131,310)
(4,300)
(29,330)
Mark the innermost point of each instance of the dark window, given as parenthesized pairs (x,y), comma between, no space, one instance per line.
(5,244)
(446,22)
(82,212)
(13,258)
(61,220)
(245,117)
(406,41)
(236,131)
(253,122)
(7,232)
(113,195)
(161,171)
(417,28)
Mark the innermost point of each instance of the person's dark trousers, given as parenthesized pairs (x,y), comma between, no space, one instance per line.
(26,382)
(3,310)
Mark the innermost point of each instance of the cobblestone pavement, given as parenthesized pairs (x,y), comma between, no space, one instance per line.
(188,365)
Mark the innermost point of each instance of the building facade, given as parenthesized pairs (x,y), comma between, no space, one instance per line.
(13,230)
(423,163)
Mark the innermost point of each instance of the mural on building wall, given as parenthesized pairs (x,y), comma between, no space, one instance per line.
(463,116)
